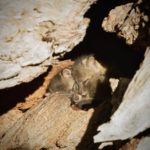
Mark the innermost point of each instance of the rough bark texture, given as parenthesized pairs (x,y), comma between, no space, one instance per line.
(52,124)
(132,116)
(43,126)
(33,31)
(7,120)
(32,37)
(132,23)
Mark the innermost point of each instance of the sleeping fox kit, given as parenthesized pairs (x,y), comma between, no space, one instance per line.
(80,81)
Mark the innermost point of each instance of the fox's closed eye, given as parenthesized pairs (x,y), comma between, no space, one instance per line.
(85,83)
(75,87)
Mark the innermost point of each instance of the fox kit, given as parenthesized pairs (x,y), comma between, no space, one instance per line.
(80,81)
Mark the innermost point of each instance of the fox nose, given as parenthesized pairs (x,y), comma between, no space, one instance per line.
(76,98)
(84,95)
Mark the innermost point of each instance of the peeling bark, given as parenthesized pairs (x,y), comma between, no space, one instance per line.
(50,124)
(132,116)
(33,31)
(132,23)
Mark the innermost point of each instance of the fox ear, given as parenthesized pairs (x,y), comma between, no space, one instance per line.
(66,73)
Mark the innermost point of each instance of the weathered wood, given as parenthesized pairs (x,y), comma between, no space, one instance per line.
(131,24)
(54,124)
(132,116)
(32,31)
(8,119)
(51,124)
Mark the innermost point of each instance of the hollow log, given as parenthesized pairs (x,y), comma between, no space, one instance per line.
(52,124)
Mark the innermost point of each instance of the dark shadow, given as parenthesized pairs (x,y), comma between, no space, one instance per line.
(11,96)
(110,50)
(143,39)
(102,111)
(103,93)
(120,59)
(101,115)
